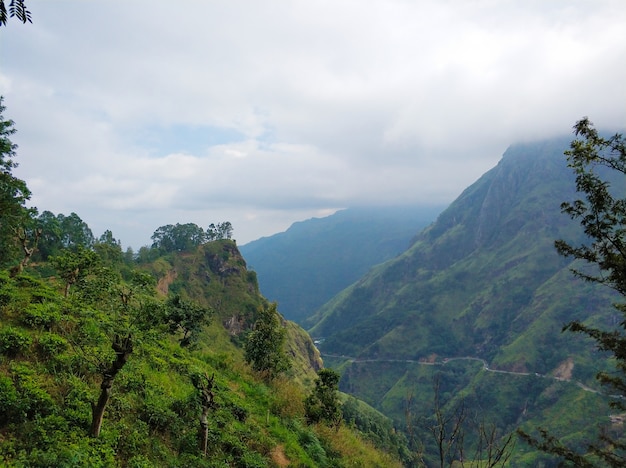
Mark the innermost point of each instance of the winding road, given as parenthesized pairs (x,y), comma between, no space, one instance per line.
(444,361)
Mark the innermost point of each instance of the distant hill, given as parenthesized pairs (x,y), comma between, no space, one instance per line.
(479,299)
(313,260)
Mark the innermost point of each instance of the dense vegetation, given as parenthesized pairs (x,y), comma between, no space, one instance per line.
(110,358)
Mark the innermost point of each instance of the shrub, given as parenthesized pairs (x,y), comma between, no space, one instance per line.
(51,344)
(14,341)
(76,402)
(11,407)
(41,316)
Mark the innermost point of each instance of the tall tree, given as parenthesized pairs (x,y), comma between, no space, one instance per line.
(186,318)
(322,404)
(14,215)
(60,232)
(223,230)
(128,315)
(264,348)
(178,238)
(596,162)
(75,232)
(109,249)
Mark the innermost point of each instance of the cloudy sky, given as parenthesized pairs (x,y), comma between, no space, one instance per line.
(136,114)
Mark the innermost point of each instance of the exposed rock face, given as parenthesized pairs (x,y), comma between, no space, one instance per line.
(235,325)
(223,264)
(164,283)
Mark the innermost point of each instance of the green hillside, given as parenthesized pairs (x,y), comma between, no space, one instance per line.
(167,357)
(477,303)
(56,352)
(313,260)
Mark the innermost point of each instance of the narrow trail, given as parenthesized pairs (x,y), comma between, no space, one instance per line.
(485,364)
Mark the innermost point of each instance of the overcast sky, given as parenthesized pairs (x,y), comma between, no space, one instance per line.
(136,114)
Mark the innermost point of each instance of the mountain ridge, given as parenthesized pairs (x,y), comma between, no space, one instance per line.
(306,265)
(483,281)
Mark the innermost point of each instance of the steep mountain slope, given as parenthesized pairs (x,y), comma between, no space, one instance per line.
(313,260)
(216,275)
(480,290)
(475,267)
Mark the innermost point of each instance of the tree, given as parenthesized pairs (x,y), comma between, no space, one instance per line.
(17,9)
(71,266)
(109,249)
(596,161)
(50,241)
(178,238)
(60,232)
(223,230)
(29,238)
(264,348)
(14,215)
(127,315)
(187,317)
(322,404)
(455,436)
(204,386)
(75,232)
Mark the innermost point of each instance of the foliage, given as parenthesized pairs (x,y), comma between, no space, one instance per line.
(14,215)
(602,215)
(17,9)
(322,404)
(374,426)
(264,347)
(185,237)
(60,348)
(186,317)
(72,266)
(221,231)
(14,342)
(61,232)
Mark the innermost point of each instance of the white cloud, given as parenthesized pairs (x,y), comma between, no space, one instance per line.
(138,114)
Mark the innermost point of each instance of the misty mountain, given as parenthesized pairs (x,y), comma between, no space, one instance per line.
(479,300)
(313,260)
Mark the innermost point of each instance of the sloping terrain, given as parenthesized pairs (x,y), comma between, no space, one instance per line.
(114,343)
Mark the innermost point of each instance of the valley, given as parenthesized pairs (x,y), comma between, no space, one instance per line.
(471,314)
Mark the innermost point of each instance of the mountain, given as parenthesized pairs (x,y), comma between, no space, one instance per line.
(476,304)
(313,260)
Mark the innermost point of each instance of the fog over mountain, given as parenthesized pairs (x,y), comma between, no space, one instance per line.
(266,113)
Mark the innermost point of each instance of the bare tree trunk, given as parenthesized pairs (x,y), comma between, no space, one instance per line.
(123,348)
(205,386)
(204,431)
(28,252)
